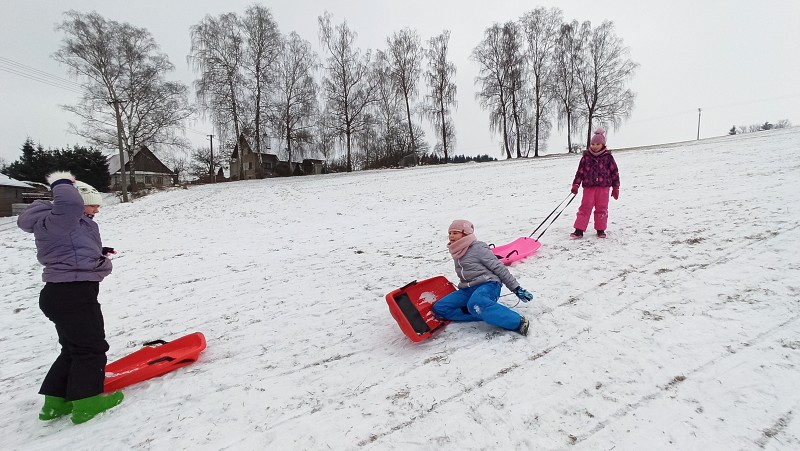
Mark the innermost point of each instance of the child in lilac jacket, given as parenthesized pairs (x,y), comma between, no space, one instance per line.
(68,245)
(598,174)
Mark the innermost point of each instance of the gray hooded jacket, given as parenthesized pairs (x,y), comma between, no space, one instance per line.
(480,265)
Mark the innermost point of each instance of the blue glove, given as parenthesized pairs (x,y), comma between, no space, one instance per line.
(523,294)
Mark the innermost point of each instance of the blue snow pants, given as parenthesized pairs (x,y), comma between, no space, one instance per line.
(478,303)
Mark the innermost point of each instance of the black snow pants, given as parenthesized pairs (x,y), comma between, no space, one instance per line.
(79,371)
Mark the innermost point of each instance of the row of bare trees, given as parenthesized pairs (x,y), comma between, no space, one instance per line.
(539,68)
(255,81)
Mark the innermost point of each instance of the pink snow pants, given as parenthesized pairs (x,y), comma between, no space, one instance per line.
(594,197)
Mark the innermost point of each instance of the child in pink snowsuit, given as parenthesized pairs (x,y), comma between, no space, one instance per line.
(598,173)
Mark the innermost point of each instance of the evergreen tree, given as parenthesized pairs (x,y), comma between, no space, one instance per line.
(34,164)
(732,131)
(88,165)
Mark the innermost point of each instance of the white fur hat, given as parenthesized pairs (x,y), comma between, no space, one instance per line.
(89,194)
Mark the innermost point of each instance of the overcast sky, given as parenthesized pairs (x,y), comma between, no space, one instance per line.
(735,59)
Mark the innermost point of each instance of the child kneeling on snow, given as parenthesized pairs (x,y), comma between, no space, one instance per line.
(480,274)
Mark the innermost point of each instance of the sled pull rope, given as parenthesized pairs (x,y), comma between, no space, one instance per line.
(548,216)
(571,197)
(509,306)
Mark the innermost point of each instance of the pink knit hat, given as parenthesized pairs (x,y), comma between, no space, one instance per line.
(463,226)
(599,137)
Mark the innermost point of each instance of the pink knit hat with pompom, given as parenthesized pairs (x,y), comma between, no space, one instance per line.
(599,137)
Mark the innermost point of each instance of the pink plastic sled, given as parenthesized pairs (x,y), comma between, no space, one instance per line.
(516,250)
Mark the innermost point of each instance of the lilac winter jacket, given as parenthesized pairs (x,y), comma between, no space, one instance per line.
(598,170)
(480,265)
(67,241)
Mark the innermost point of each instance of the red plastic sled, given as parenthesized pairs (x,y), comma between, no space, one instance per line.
(154,359)
(411,306)
(516,250)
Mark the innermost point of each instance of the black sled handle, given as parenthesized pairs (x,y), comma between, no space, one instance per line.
(155,342)
(408,285)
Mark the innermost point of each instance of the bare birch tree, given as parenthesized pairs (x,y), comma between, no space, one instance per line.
(442,91)
(294,102)
(154,109)
(568,63)
(347,86)
(605,74)
(405,60)
(540,28)
(387,111)
(90,49)
(216,53)
(262,48)
(127,103)
(512,47)
(499,80)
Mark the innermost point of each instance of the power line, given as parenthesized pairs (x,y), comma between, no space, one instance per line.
(713,107)
(46,82)
(196,132)
(31,73)
(37,71)
(756,101)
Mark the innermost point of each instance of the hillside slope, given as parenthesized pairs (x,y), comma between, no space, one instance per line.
(680,331)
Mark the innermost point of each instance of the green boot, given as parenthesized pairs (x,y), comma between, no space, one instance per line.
(85,409)
(54,407)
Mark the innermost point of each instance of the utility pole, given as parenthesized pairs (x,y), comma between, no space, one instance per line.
(698,123)
(213,174)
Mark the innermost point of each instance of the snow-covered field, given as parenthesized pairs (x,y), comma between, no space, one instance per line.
(680,331)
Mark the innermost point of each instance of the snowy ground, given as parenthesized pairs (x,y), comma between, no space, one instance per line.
(680,331)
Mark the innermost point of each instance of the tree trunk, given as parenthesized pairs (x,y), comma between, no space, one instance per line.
(444,128)
(258,116)
(569,132)
(515,116)
(236,129)
(349,161)
(123,179)
(411,128)
(505,127)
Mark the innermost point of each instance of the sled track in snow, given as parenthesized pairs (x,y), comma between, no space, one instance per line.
(7,227)
(662,390)
(646,267)
(720,357)
(777,427)
(469,389)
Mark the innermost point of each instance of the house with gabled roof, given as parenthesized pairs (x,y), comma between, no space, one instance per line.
(150,172)
(257,165)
